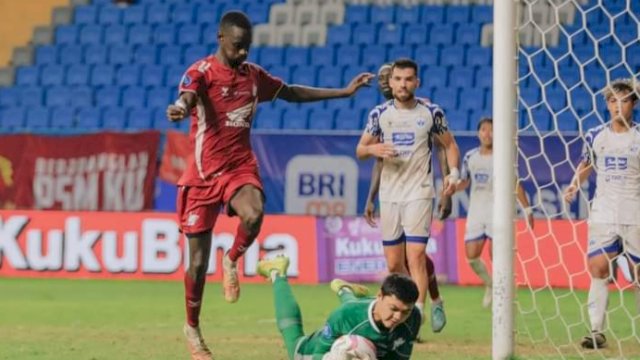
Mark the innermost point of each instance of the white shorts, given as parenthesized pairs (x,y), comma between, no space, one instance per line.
(477,230)
(406,221)
(612,238)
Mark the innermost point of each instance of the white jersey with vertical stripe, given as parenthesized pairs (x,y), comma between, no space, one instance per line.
(478,168)
(616,161)
(407,176)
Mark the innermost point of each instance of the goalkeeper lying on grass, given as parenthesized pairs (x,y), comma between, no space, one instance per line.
(390,320)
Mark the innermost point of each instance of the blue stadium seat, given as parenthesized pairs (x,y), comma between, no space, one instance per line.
(458,120)
(374,56)
(281,71)
(611,55)
(597,76)
(383,14)
(566,121)
(165,34)
(484,77)
(556,99)
(57,96)
(347,55)
(441,35)
(85,15)
(145,55)
(530,96)
(400,51)
(9,96)
(210,34)
(330,76)
(294,55)
(37,118)
(152,75)
(134,96)
(367,98)
(108,96)
(208,13)
(295,118)
(110,14)
(268,118)
(468,34)
(340,104)
(432,14)
(479,56)
(407,15)
(120,54)
(140,34)
(357,14)
(323,55)
(390,34)
(115,35)
(52,75)
(321,119)
(471,99)
(139,119)
(91,34)
(434,77)
(194,53)
(462,77)
(171,55)
(305,75)
(102,75)
(364,34)
(349,119)
(160,121)
(340,34)
(174,75)
(581,101)
(128,75)
(183,13)
(351,71)
(482,14)
(190,34)
(66,34)
(620,71)
(12,117)
(258,13)
(428,55)
(446,98)
(254,54)
(62,118)
(46,54)
(158,14)
(82,96)
(161,97)
(27,75)
(135,14)
(95,54)
(541,118)
(416,34)
(452,56)
(71,55)
(457,14)
(114,118)
(590,121)
(88,118)
(31,96)
(270,56)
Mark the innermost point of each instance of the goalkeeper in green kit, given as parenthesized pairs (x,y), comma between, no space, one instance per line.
(390,320)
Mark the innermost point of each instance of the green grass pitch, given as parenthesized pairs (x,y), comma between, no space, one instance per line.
(96,319)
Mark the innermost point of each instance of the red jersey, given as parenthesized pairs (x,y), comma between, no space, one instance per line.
(221,120)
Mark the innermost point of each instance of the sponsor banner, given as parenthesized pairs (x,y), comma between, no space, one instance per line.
(108,171)
(140,246)
(348,248)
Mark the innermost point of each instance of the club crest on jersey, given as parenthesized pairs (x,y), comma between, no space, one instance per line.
(186,80)
(225,91)
(326,331)
(398,342)
(421,122)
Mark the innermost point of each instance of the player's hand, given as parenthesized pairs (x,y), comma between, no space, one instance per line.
(444,207)
(369,212)
(449,186)
(360,80)
(176,113)
(570,193)
(382,150)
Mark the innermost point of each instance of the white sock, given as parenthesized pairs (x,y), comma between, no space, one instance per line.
(597,303)
(480,269)
(420,307)
(273,275)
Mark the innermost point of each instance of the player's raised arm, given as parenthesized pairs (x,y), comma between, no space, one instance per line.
(582,171)
(300,93)
(192,81)
(182,107)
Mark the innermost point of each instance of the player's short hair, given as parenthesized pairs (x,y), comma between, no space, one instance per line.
(622,85)
(405,63)
(401,286)
(385,66)
(235,18)
(484,120)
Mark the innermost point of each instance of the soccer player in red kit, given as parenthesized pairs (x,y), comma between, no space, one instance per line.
(221,93)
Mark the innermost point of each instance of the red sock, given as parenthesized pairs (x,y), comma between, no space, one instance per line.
(434,293)
(240,244)
(193,299)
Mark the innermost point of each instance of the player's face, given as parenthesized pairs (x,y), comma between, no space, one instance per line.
(234,44)
(485,134)
(620,106)
(383,82)
(403,83)
(391,311)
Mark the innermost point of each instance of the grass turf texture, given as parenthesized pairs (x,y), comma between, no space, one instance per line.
(97,319)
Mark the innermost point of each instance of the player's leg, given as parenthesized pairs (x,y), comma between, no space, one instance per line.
(475,238)
(632,252)
(347,291)
(393,239)
(434,291)
(288,315)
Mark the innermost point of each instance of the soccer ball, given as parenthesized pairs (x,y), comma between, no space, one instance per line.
(351,347)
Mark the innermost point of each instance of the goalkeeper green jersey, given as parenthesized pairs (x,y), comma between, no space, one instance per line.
(356,318)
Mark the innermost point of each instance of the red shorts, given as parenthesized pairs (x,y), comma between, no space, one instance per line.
(198,206)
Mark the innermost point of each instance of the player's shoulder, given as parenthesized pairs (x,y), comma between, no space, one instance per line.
(204,64)
(472,152)
(381,108)
(593,132)
(433,108)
